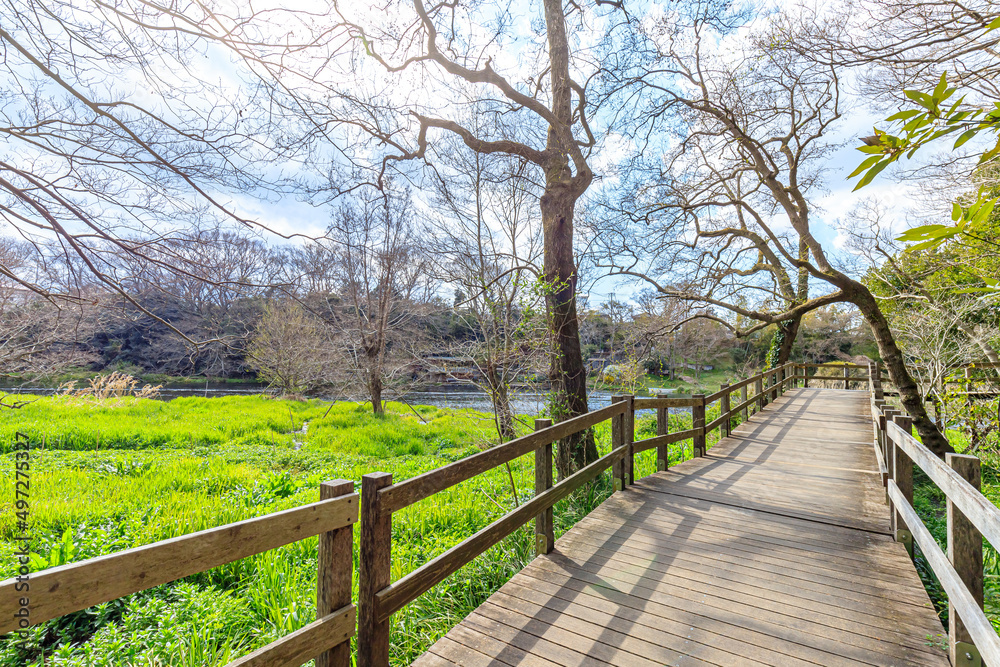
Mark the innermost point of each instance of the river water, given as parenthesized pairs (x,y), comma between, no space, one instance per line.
(523,402)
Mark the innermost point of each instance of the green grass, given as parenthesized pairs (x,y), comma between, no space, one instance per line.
(708,382)
(137,471)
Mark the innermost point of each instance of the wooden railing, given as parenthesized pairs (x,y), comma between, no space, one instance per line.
(970,517)
(380,597)
(35,597)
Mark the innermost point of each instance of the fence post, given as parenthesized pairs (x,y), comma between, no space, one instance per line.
(965,551)
(698,447)
(758,386)
(880,429)
(847,374)
(334,573)
(630,439)
(774,385)
(662,428)
(805,376)
(544,536)
(727,425)
(879,392)
(374,571)
(743,400)
(888,451)
(902,473)
(617,440)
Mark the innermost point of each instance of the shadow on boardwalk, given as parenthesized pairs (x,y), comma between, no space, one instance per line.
(772,550)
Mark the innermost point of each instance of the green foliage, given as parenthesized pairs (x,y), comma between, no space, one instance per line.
(89,502)
(934,116)
(771,360)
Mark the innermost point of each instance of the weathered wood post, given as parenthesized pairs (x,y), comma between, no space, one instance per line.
(743,400)
(758,386)
(630,439)
(727,425)
(334,573)
(847,374)
(889,452)
(544,535)
(618,440)
(374,571)
(774,385)
(965,551)
(805,376)
(698,447)
(880,429)
(902,467)
(662,428)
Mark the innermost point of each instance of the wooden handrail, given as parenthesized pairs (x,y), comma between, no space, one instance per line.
(983,634)
(397,595)
(415,489)
(663,402)
(381,598)
(302,645)
(974,505)
(667,439)
(971,516)
(68,588)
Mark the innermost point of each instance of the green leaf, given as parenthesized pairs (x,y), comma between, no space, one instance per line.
(927,232)
(904,115)
(991,153)
(939,89)
(872,173)
(994,24)
(956,211)
(965,136)
(923,99)
(868,162)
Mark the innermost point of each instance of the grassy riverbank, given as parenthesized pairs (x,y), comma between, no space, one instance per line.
(109,477)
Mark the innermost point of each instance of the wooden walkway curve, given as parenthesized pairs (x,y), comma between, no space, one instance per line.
(774,549)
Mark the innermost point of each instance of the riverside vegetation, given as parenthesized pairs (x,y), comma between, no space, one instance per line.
(126,472)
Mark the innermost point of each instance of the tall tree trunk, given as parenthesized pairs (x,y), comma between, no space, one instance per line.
(789,330)
(568,373)
(892,357)
(375,391)
(562,189)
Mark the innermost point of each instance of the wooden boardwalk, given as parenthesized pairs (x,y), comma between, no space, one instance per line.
(772,550)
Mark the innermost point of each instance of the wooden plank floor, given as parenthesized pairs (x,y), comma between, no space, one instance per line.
(772,550)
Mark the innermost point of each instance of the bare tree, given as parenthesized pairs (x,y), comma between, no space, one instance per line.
(731,212)
(915,41)
(485,239)
(291,349)
(39,337)
(105,169)
(379,273)
(413,65)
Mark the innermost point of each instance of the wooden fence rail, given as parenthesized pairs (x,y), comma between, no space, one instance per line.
(970,518)
(69,588)
(380,598)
